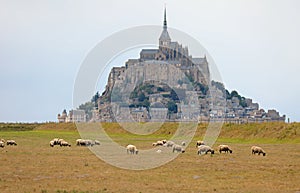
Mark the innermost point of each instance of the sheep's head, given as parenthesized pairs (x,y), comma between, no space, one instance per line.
(264,153)
(230,151)
(136,151)
(182,151)
(212,151)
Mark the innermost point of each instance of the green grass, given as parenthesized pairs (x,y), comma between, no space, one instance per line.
(33,166)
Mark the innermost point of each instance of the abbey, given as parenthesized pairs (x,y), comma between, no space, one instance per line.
(168,54)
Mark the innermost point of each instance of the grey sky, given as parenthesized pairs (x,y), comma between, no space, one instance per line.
(254,43)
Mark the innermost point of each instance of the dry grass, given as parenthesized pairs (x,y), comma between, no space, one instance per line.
(33,166)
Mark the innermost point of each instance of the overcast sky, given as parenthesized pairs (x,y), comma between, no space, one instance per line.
(254,43)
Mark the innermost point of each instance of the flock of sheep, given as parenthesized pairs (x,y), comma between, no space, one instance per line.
(8,142)
(79,142)
(132,149)
(201,148)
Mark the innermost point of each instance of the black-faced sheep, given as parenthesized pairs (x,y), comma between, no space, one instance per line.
(11,142)
(169,143)
(178,148)
(158,143)
(131,149)
(55,141)
(199,143)
(224,148)
(84,142)
(2,144)
(205,149)
(51,143)
(258,150)
(64,143)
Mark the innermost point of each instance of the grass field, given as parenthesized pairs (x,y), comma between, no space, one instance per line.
(33,166)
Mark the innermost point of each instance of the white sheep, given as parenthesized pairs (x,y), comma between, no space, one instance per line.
(64,143)
(55,140)
(2,144)
(84,142)
(59,141)
(131,149)
(178,148)
(169,143)
(11,142)
(51,143)
(200,143)
(158,143)
(258,150)
(78,141)
(224,148)
(205,149)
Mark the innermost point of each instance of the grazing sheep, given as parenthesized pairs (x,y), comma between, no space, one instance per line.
(178,148)
(84,142)
(224,148)
(169,143)
(64,143)
(205,149)
(158,143)
(258,150)
(2,144)
(199,143)
(131,149)
(51,143)
(78,141)
(11,142)
(59,141)
(55,140)
(97,142)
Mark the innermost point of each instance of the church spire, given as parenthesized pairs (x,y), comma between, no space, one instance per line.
(164,39)
(165,19)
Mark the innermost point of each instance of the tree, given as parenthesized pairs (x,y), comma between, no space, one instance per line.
(172,107)
(141,97)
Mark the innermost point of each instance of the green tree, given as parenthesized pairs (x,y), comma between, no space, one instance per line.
(172,107)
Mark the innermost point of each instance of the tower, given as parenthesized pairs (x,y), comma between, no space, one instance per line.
(164,39)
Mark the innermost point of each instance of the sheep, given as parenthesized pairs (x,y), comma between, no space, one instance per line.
(64,143)
(97,142)
(169,143)
(2,144)
(55,140)
(158,143)
(11,142)
(51,143)
(205,149)
(78,141)
(224,148)
(178,148)
(60,141)
(84,142)
(200,143)
(258,150)
(183,143)
(131,149)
